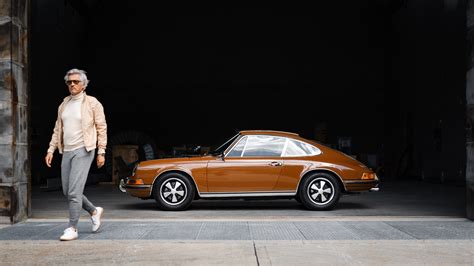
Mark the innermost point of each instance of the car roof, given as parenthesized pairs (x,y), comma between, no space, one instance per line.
(268,132)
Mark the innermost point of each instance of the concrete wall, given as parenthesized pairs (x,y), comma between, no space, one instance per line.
(14,114)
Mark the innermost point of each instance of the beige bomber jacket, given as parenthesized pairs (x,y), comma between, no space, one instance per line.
(94,127)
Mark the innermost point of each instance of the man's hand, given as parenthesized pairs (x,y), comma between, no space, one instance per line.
(48,159)
(100,160)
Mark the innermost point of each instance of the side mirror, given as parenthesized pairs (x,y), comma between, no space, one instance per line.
(220,156)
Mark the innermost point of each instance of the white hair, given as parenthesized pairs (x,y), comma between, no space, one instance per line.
(82,73)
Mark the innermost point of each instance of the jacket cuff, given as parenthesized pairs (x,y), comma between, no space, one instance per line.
(101,151)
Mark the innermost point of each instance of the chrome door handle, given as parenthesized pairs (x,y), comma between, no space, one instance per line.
(275,163)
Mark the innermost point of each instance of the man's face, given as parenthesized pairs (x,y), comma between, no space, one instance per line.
(74,84)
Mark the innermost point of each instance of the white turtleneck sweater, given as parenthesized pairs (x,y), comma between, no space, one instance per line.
(72,123)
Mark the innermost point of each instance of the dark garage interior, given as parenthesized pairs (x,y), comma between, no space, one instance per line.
(389,76)
(383,81)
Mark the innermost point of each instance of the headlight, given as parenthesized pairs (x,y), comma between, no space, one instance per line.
(369,176)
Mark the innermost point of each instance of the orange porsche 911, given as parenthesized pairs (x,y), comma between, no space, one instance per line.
(253,164)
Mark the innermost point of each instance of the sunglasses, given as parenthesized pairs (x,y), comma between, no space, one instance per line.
(75,82)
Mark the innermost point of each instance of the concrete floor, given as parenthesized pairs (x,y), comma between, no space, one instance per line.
(407,199)
(146,252)
(404,223)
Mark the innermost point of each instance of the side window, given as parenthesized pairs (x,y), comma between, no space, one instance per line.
(312,150)
(264,146)
(238,148)
(298,148)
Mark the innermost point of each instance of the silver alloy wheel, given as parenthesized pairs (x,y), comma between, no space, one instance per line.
(173,191)
(320,191)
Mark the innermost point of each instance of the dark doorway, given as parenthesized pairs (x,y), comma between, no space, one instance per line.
(387,77)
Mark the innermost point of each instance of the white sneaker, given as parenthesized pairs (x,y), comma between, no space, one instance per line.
(69,234)
(96,219)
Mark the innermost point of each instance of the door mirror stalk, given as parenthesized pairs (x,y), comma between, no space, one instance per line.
(220,156)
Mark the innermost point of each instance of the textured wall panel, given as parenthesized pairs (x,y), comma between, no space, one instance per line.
(5,8)
(6,164)
(6,127)
(21,124)
(5,201)
(5,41)
(22,165)
(14,163)
(22,202)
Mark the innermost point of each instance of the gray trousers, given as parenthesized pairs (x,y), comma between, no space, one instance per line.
(75,167)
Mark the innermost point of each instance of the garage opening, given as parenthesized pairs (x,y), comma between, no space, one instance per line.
(383,82)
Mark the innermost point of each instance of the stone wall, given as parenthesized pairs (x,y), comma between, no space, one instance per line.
(14,111)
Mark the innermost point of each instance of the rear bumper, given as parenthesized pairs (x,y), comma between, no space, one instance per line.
(361,185)
(128,187)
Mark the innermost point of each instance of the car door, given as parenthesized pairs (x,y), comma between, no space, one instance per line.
(252,165)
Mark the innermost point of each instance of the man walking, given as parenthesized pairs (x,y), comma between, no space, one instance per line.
(80,129)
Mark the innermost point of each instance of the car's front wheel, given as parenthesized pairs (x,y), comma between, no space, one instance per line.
(320,191)
(173,192)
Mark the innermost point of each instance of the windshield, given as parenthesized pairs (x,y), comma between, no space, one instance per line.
(224,146)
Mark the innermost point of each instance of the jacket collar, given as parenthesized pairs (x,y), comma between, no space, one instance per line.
(69,97)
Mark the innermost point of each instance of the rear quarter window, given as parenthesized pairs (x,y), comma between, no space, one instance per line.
(299,148)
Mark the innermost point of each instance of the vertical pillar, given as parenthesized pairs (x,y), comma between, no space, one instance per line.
(15,185)
(470,112)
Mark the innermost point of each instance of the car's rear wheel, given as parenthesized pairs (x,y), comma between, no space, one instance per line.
(320,191)
(173,192)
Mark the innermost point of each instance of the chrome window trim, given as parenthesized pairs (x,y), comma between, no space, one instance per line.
(231,146)
(236,136)
(246,194)
(284,148)
(286,139)
(245,146)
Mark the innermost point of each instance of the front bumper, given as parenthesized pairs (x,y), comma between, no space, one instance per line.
(140,191)
(122,185)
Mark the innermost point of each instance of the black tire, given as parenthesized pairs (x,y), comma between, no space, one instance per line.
(173,192)
(320,191)
(298,199)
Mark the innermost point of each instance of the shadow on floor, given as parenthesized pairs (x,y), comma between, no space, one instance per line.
(402,198)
